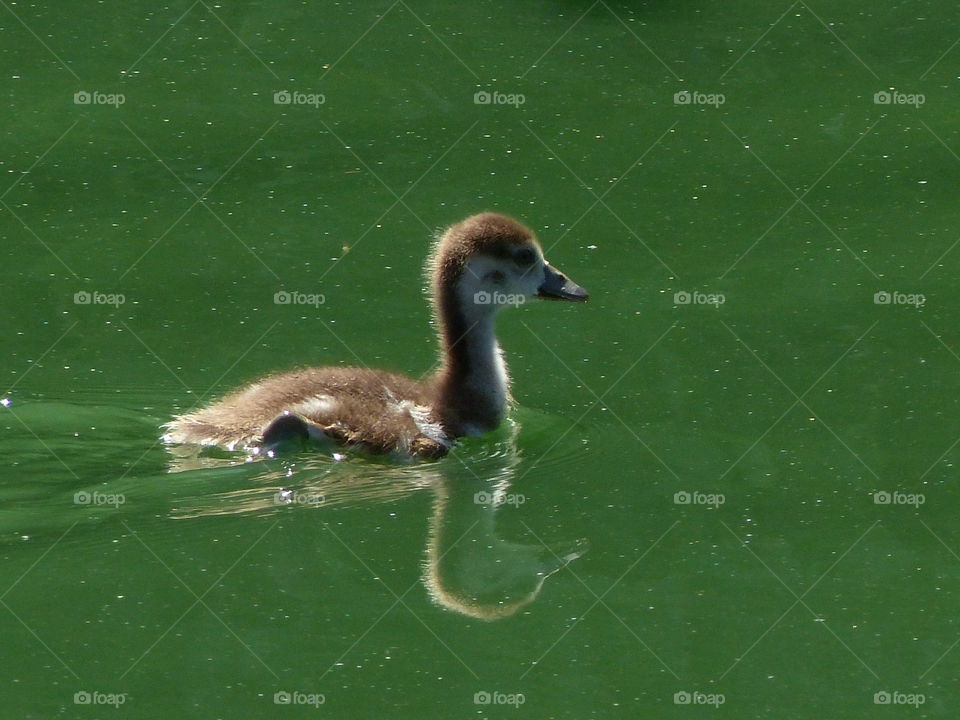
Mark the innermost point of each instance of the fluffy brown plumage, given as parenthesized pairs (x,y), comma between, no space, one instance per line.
(474,265)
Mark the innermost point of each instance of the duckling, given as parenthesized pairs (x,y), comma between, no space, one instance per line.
(477,267)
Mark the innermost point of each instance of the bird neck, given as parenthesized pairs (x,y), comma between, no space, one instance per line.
(472,383)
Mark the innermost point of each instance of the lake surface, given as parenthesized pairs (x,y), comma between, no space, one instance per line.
(729,485)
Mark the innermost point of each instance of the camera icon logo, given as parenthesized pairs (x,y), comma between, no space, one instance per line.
(882,498)
(882,298)
(481,698)
(681,298)
(682,698)
(682,98)
(681,498)
(482,298)
(282,297)
(282,698)
(82,298)
(82,698)
(482,97)
(81,497)
(483,498)
(882,98)
(81,98)
(882,698)
(282,97)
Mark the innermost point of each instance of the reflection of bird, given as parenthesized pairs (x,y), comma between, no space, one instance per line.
(468,567)
(478,266)
(471,570)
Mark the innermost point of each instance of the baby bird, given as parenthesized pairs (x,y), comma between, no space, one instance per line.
(477,267)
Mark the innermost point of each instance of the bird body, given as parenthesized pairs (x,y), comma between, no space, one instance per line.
(477,267)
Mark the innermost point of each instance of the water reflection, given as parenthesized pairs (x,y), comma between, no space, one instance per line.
(468,567)
(471,569)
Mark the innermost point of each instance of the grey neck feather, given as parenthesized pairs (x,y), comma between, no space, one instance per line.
(474,385)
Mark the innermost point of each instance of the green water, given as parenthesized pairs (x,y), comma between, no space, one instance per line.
(386,590)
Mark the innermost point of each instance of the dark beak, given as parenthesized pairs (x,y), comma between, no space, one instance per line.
(557,286)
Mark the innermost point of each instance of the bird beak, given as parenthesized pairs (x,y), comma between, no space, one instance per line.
(557,286)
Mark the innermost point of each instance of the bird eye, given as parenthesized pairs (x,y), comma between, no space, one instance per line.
(525,256)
